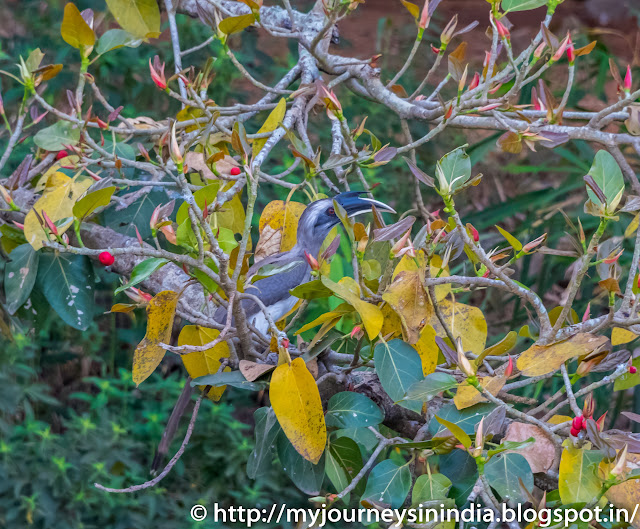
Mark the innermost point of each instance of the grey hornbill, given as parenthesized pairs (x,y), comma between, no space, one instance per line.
(318,219)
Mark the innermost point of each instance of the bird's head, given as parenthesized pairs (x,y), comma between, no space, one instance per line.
(320,217)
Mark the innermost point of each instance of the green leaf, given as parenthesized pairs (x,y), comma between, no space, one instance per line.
(304,474)
(515,243)
(504,472)
(141,18)
(607,174)
(311,290)
(74,30)
(429,487)
(136,215)
(265,432)
(363,437)
(453,170)
(389,483)
(510,445)
(92,201)
(467,419)
(235,24)
(399,367)
(269,270)
(19,276)
(116,38)
(344,461)
(424,390)
(352,410)
(57,136)
(462,470)
(628,380)
(67,283)
(457,432)
(229,378)
(142,271)
(522,5)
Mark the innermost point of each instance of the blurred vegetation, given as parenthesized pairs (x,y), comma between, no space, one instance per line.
(70,414)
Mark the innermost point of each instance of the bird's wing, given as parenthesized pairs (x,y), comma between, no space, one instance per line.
(270,290)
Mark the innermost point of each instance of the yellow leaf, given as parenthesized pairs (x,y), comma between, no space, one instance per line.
(408,263)
(621,336)
(578,481)
(559,419)
(348,290)
(544,359)
(200,363)
(231,25)
(296,402)
(92,201)
(515,243)
(633,226)
(502,347)
(466,322)
(57,200)
(392,326)
(74,30)
(468,395)
(141,18)
(278,228)
(427,349)
(160,312)
(272,123)
(408,297)
(627,494)
(338,312)
(413,9)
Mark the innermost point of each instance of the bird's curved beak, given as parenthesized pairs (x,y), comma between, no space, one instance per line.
(354,204)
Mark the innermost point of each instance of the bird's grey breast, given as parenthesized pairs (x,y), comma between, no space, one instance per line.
(273,292)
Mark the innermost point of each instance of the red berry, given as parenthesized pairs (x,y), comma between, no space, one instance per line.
(106,258)
(235,171)
(577,423)
(61,155)
(575,432)
(633,370)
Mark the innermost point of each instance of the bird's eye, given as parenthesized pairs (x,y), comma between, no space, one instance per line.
(331,211)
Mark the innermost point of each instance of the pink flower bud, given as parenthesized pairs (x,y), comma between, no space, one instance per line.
(355,330)
(628,79)
(474,233)
(612,258)
(313,262)
(503,32)
(571,52)
(587,313)
(539,50)
(560,51)
(509,370)
(52,227)
(489,107)
(157,73)
(424,17)
(530,246)
(475,81)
